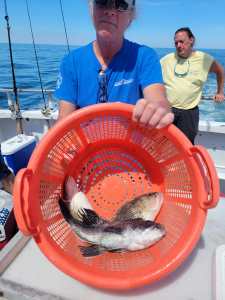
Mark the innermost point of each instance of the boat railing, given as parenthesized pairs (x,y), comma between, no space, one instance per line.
(207,97)
(47,107)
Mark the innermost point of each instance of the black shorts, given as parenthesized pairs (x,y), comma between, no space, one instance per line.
(187,121)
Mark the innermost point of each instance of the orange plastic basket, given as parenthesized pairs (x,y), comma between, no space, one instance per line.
(114,160)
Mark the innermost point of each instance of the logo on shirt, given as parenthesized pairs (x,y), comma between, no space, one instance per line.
(59,81)
(123,82)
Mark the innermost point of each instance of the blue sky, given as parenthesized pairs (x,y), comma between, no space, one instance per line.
(155,23)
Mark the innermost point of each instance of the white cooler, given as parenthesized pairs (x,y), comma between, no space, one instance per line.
(16,151)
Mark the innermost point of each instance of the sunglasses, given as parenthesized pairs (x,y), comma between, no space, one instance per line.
(177,71)
(121,5)
(102,93)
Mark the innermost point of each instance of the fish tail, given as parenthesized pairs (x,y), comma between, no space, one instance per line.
(93,250)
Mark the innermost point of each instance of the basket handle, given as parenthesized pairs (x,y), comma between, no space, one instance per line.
(210,176)
(20,210)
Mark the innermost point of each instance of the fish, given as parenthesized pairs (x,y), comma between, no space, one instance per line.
(113,236)
(146,207)
(132,228)
(74,199)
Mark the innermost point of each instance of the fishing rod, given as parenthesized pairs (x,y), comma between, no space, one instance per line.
(35,53)
(46,109)
(19,125)
(64,24)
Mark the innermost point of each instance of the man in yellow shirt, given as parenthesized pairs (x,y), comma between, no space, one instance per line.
(184,73)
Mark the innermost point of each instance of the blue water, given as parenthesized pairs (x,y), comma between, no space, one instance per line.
(49,57)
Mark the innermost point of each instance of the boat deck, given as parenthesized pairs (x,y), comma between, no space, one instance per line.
(29,275)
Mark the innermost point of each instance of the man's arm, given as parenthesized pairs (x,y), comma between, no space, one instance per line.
(154,109)
(65,108)
(219,71)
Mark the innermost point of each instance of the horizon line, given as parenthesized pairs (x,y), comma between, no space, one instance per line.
(73,45)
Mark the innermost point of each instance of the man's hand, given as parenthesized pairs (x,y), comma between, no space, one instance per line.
(152,113)
(219,71)
(219,97)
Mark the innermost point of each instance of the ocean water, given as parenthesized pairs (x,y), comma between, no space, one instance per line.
(49,57)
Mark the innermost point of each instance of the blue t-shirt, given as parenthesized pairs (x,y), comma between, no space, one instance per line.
(132,69)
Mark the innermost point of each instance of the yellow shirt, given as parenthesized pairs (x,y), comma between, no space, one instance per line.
(184,78)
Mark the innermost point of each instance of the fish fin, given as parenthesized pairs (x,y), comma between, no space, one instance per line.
(93,250)
(89,217)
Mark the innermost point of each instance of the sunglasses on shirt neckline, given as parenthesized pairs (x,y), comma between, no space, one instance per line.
(181,75)
(120,5)
(102,93)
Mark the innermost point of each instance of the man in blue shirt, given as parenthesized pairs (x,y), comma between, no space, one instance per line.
(113,69)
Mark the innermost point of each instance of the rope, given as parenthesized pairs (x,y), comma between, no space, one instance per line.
(64,24)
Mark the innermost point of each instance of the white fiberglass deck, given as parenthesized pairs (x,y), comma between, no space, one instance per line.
(31,276)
